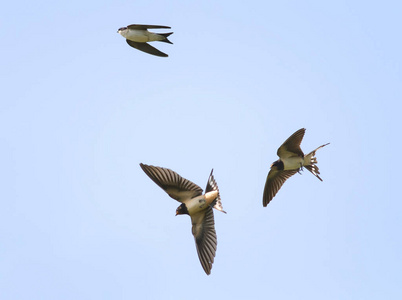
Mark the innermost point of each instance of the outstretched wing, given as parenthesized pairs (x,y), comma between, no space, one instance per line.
(145,27)
(145,47)
(274,182)
(205,237)
(172,183)
(291,146)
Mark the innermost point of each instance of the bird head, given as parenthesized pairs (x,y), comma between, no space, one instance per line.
(277,165)
(121,29)
(182,210)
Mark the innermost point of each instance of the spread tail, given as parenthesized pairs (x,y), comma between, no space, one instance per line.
(213,186)
(310,160)
(166,37)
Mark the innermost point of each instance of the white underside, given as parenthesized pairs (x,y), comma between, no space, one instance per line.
(292,163)
(196,204)
(140,36)
(201,202)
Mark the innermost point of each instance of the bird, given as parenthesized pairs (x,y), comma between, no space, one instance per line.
(291,161)
(138,35)
(195,204)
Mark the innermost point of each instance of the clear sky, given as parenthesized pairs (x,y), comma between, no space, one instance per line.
(80,109)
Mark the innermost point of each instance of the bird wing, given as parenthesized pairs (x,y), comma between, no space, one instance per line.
(213,186)
(291,146)
(145,47)
(172,183)
(205,237)
(275,180)
(145,27)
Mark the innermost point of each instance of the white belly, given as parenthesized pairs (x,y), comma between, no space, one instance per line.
(293,163)
(196,204)
(201,202)
(139,36)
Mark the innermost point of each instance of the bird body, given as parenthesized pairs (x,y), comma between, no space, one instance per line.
(197,204)
(141,36)
(293,162)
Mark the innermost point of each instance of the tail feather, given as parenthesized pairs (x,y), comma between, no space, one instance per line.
(312,167)
(166,37)
(213,186)
(314,170)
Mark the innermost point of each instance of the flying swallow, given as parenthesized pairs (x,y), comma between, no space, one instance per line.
(137,37)
(291,160)
(195,204)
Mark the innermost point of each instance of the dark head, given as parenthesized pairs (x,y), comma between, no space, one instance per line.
(182,210)
(121,29)
(277,165)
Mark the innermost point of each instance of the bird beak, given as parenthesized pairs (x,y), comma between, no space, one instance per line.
(177,213)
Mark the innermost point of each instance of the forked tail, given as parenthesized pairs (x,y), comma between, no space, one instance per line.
(166,37)
(312,167)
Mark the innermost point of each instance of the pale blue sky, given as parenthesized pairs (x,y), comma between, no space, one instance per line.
(80,109)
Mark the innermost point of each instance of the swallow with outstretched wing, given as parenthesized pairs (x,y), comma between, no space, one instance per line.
(195,204)
(291,160)
(138,36)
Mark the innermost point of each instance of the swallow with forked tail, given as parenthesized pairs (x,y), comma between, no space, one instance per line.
(138,35)
(195,204)
(291,160)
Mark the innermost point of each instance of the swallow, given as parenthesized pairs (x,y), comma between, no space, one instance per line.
(137,37)
(291,161)
(195,204)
